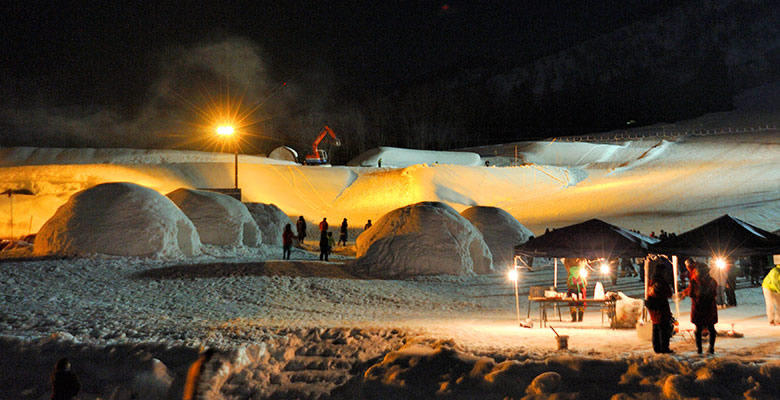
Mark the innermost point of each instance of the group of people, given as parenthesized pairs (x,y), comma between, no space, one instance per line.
(704,292)
(327,243)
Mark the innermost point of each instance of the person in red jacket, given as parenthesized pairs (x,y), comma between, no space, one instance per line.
(287,241)
(324,227)
(658,292)
(704,311)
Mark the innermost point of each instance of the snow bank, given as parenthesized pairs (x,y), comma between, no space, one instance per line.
(11,156)
(501,231)
(121,219)
(435,368)
(396,157)
(428,238)
(220,219)
(271,221)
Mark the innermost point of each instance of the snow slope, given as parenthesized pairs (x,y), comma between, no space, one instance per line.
(642,184)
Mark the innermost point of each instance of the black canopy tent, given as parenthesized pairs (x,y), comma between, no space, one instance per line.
(591,239)
(722,237)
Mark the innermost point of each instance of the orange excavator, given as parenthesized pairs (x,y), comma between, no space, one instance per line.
(320,157)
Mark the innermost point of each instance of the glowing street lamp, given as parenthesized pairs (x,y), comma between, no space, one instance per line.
(227,131)
(720,263)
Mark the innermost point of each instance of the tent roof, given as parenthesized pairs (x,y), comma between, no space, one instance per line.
(724,236)
(591,239)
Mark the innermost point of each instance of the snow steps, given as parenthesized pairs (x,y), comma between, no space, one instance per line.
(311,363)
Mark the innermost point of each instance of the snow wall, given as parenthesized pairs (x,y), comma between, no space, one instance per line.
(397,157)
(427,238)
(220,219)
(501,231)
(122,219)
(271,221)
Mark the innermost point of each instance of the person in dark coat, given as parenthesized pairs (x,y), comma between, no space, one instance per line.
(64,383)
(731,285)
(704,311)
(324,246)
(343,232)
(300,226)
(658,292)
(368,225)
(287,241)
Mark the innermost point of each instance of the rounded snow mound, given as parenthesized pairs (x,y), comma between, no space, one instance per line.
(428,238)
(122,219)
(501,231)
(271,220)
(220,219)
(399,158)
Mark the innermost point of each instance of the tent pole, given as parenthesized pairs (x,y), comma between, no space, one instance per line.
(676,297)
(555,275)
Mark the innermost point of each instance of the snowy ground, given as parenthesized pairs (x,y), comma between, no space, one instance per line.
(309,329)
(106,312)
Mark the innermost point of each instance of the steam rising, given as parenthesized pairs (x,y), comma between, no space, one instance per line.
(191,80)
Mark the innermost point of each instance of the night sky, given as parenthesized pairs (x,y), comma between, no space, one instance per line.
(112,57)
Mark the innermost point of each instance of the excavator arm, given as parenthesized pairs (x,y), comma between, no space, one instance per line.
(318,156)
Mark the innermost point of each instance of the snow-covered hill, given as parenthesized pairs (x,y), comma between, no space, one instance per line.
(649,185)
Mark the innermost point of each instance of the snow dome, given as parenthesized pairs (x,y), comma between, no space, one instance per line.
(118,218)
(428,238)
(271,220)
(221,220)
(501,231)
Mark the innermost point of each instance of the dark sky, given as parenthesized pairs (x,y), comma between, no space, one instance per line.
(112,54)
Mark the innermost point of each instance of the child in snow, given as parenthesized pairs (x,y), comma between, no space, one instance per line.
(657,292)
(331,243)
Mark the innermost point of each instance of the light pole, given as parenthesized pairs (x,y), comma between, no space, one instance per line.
(226,131)
(513,276)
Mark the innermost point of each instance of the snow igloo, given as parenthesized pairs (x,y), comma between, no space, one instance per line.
(501,231)
(428,238)
(122,219)
(271,220)
(220,219)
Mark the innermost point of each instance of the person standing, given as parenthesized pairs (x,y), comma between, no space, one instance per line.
(576,283)
(300,227)
(731,285)
(368,225)
(343,232)
(287,241)
(324,248)
(704,311)
(64,383)
(323,227)
(658,292)
(771,288)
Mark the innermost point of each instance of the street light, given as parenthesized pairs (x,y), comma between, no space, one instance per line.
(226,131)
